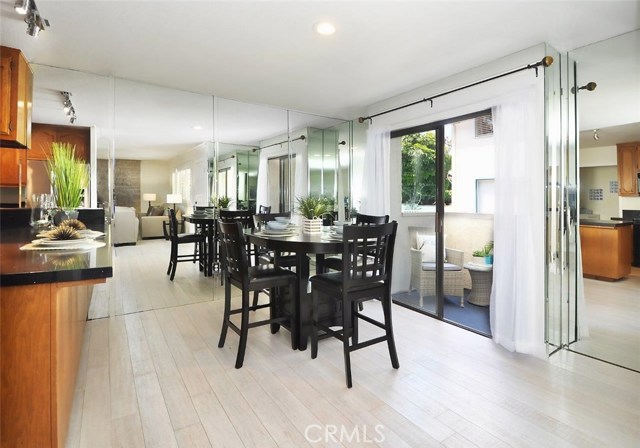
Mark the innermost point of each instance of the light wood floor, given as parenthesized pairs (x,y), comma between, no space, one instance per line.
(613,313)
(156,378)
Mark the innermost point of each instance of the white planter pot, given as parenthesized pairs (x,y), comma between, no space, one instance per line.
(312,225)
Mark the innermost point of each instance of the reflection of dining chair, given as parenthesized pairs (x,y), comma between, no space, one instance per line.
(264,209)
(253,278)
(367,259)
(183,238)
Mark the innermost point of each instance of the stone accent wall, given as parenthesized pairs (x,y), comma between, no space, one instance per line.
(126,190)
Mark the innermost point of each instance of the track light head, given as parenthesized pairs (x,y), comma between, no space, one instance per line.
(35,22)
(595,135)
(22,7)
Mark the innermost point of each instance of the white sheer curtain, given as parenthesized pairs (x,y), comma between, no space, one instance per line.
(376,185)
(261,194)
(517,296)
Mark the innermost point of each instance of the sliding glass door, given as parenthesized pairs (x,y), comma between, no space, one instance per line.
(448,169)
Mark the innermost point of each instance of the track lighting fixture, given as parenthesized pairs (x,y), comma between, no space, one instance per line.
(35,22)
(22,7)
(67,106)
(595,135)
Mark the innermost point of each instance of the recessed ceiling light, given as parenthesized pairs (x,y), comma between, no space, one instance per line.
(197,128)
(325,28)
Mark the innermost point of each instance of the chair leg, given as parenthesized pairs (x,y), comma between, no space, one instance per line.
(174,261)
(314,324)
(274,296)
(244,329)
(255,299)
(346,335)
(393,354)
(354,322)
(293,316)
(226,314)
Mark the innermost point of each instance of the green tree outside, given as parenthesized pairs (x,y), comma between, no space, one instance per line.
(419,170)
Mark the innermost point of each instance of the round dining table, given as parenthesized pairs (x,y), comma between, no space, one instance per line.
(209,227)
(302,244)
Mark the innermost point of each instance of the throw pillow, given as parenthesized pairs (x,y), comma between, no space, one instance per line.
(427,245)
(157,211)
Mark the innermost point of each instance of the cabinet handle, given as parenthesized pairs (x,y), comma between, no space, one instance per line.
(11,126)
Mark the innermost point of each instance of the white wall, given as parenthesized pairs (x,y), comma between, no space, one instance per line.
(470,100)
(155,177)
(605,156)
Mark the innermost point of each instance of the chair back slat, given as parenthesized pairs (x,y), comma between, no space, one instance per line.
(367,255)
(245,217)
(263,209)
(371,219)
(173,224)
(234,249)
(263,218)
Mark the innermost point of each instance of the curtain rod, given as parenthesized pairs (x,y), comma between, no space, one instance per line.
(302,137)
(545,62)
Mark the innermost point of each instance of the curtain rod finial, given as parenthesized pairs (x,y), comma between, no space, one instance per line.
(361,119)
(547,61)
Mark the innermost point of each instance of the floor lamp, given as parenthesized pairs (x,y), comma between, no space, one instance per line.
(149,197)
(174,199)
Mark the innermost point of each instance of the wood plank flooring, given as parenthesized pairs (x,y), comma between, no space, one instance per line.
(613,315)
(156,378)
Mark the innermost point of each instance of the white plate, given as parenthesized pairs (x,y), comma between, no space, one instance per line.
(88,233)
(277,232)
(61,243)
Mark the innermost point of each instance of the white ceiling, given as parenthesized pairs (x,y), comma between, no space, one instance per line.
(266,52)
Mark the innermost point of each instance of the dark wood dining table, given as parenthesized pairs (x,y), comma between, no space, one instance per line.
(301,244)
(209,227)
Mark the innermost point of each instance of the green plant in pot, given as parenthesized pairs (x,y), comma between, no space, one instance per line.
(486,253)
(69,177)
(312,208)
(223,202)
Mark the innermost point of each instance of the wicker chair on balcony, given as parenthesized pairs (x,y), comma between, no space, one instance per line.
(423,274)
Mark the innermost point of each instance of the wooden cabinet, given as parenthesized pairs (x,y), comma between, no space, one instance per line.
(629,169)
(606,251)
(16,83)
(13,167)
(44,134)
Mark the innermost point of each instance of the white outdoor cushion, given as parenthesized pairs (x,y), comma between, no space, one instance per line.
(427,245)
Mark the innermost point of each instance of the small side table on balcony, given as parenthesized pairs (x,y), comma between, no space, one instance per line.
(481,282)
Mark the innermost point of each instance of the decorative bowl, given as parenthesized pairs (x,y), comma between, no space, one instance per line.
(283,219)
(275,225)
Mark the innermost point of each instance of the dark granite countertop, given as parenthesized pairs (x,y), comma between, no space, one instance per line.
(604,223)
(19,267)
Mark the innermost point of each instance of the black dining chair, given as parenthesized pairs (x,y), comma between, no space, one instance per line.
(335,262)
(286,260)
(264,209)
(184,238)
(248,278)
(367,261)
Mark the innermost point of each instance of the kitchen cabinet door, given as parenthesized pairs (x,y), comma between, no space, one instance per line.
(13,167)
(16,82)
(628,167)
(45,134)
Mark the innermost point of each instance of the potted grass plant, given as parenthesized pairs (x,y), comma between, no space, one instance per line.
(223,202)
(69,177)
(485,254)
(312,208)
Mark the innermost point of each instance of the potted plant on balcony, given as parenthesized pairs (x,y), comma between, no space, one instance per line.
(485,254)
(69,177)
(312,208)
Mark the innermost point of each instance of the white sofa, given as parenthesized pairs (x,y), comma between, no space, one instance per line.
(124,226)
